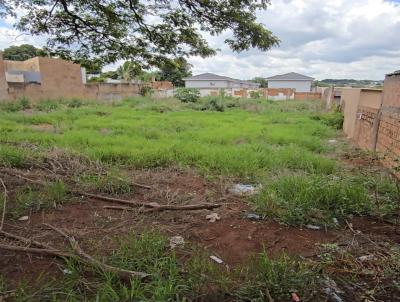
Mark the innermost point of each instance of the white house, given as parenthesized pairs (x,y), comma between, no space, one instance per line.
(211,84)
(299,82)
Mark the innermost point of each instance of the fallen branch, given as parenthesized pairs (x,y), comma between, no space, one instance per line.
(26,240)
(50,252)
(90,260)
(141,186)
(156,207)
(3,215)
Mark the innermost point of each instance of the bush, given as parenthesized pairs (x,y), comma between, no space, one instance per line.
(187,95)
(146,91)
(333,119)
(255,94)
(22,104)
(214,104)
(75,103)
(47,105)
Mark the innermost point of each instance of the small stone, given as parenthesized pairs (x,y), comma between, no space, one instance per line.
(216,259)
(213,217)
(313,227)
(242,189)
(23,218)
(176,241)
(253,216)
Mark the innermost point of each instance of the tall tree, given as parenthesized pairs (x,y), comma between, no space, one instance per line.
(128,70)
(150,32)
(22,52)
(262,81)
(175,70)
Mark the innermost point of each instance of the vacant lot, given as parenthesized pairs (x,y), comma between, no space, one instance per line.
(122,180)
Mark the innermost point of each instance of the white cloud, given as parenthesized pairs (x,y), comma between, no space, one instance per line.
(324,39)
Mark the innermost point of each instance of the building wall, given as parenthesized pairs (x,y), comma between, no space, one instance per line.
(3,83)
(350,100)
(388,141)
(27,65)
(206,84)
(307,96)
(299,86)
(371,98)
(61,78)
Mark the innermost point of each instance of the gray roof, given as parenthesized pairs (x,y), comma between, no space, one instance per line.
(291,76)
(208,76)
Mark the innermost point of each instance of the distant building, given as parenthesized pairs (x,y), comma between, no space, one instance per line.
(299,82)
(211,84)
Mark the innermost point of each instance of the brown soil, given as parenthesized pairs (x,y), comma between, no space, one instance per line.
(234,238)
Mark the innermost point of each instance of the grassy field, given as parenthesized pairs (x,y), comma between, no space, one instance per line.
(292,149)
(283,146)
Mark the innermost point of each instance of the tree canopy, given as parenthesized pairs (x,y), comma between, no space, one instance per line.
(262,81)
(22,52)
(174,71)
(149,32)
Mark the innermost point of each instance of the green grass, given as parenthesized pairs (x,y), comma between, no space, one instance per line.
(315,199)
(34,199)
(235,142)
(172,278)
(279,278)
(283,145)
(112,182)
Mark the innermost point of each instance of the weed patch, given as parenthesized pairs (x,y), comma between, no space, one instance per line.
(278,278)
(112,182)
(315,199)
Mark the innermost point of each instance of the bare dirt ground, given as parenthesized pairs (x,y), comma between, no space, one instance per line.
(234,238)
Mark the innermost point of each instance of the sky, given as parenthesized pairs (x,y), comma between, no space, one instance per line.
(357,39)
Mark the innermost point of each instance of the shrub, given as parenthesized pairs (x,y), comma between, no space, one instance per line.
(21,104)
(255,94)
(333,119)
(146,91)
(75,103)
(47,105)
(24,103)
(187,95)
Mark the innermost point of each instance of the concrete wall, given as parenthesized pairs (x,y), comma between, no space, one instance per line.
(62,79)
(377,126)
(299,86)
(307,96)
(3,82)
(350,100)
(207,84)
(388,138)
(27,65)
(359,106)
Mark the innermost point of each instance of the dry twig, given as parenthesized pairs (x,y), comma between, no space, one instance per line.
(93,262)
(3,215)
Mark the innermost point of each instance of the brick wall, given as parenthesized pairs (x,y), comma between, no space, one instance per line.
(388,142)
(363,134)
(378,127)
(303,96)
